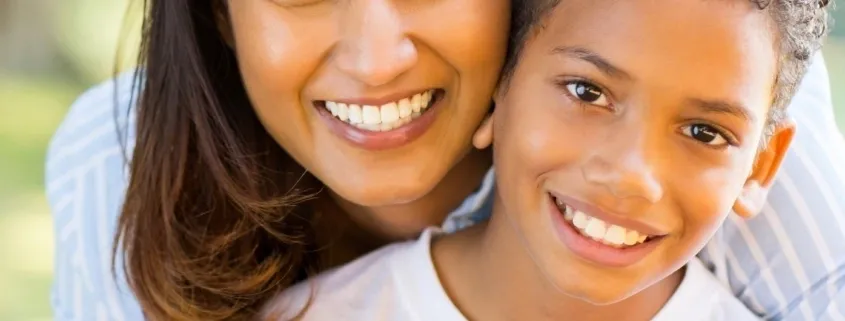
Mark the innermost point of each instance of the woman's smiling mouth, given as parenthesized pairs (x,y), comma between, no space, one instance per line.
(385,117)
(374,124)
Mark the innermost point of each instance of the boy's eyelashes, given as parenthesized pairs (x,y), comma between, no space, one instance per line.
(710,135)
(587,93)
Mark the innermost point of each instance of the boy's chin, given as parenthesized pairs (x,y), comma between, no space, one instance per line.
(604,288)
(603,296)
(599,292)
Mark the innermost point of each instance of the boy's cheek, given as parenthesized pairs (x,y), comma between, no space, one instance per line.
(702,211)
(539,142)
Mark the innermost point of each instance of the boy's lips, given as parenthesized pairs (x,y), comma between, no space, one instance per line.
(578,226)
(607,217)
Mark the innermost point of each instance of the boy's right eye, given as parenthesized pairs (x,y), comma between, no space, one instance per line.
(587,93)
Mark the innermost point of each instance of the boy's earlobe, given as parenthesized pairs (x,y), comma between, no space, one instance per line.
(751,201)
(756,189)
(483,136)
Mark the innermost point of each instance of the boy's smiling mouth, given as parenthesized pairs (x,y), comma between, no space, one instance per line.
(601,237)
(601,231)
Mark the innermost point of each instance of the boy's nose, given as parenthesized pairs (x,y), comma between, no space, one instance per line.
(625,167)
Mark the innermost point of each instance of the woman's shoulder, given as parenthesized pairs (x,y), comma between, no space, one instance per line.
(96,120)
(476,208)
(98,126)
(86,182)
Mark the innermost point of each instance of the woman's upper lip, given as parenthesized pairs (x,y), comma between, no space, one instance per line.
(610,217)
(380,99)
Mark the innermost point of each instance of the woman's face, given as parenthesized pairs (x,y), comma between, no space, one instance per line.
(377,98)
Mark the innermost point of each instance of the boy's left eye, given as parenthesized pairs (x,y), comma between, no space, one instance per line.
(588,93)
(706,134)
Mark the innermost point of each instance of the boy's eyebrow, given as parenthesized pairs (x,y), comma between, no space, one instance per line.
(594,58)
(722,107)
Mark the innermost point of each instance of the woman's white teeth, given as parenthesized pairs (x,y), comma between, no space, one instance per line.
(384,117)
(342,112)
(405,108)
(354,114)
(371,115)
(389,113)
(613,235)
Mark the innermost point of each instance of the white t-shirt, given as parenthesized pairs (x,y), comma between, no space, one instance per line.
(399,282)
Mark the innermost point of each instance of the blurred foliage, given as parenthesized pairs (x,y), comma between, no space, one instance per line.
(73,46)
(93,32)
(834,52)
(59,49)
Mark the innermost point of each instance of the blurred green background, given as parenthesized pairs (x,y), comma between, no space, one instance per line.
(50,51)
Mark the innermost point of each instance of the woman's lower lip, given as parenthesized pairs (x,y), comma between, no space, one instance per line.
(593,251)
(373,140)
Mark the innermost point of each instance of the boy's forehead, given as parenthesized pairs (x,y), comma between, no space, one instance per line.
(674,44)
(726,20)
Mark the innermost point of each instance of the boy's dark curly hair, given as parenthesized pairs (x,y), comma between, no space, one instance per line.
(801,26)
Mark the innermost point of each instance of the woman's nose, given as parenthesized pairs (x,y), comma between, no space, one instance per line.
(374,47)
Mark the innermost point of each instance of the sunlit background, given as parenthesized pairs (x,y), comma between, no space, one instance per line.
(51,51)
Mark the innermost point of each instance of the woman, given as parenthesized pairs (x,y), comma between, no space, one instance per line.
(240,213)
(226,149)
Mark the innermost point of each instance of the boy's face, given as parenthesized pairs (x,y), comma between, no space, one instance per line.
(633,119)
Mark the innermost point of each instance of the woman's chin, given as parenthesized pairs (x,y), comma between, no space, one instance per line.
(374,195)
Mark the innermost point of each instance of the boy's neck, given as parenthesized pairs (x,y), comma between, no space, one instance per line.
(489,275)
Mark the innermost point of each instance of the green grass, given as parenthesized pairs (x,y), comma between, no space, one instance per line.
(30,111)
(26,246)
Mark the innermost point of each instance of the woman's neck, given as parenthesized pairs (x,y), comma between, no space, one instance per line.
(489,275)
(349,231)
(405,221)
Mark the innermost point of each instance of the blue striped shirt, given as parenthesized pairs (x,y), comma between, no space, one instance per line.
(788,263)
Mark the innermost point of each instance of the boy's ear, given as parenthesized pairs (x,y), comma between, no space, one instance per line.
(483,136)
(756,189)
(221,18)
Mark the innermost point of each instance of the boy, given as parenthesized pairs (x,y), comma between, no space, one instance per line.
(625,132)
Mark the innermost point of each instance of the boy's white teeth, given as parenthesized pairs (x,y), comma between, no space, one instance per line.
(613,235)
(384,117)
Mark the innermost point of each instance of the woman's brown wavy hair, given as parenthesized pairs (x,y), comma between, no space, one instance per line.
(217,217)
